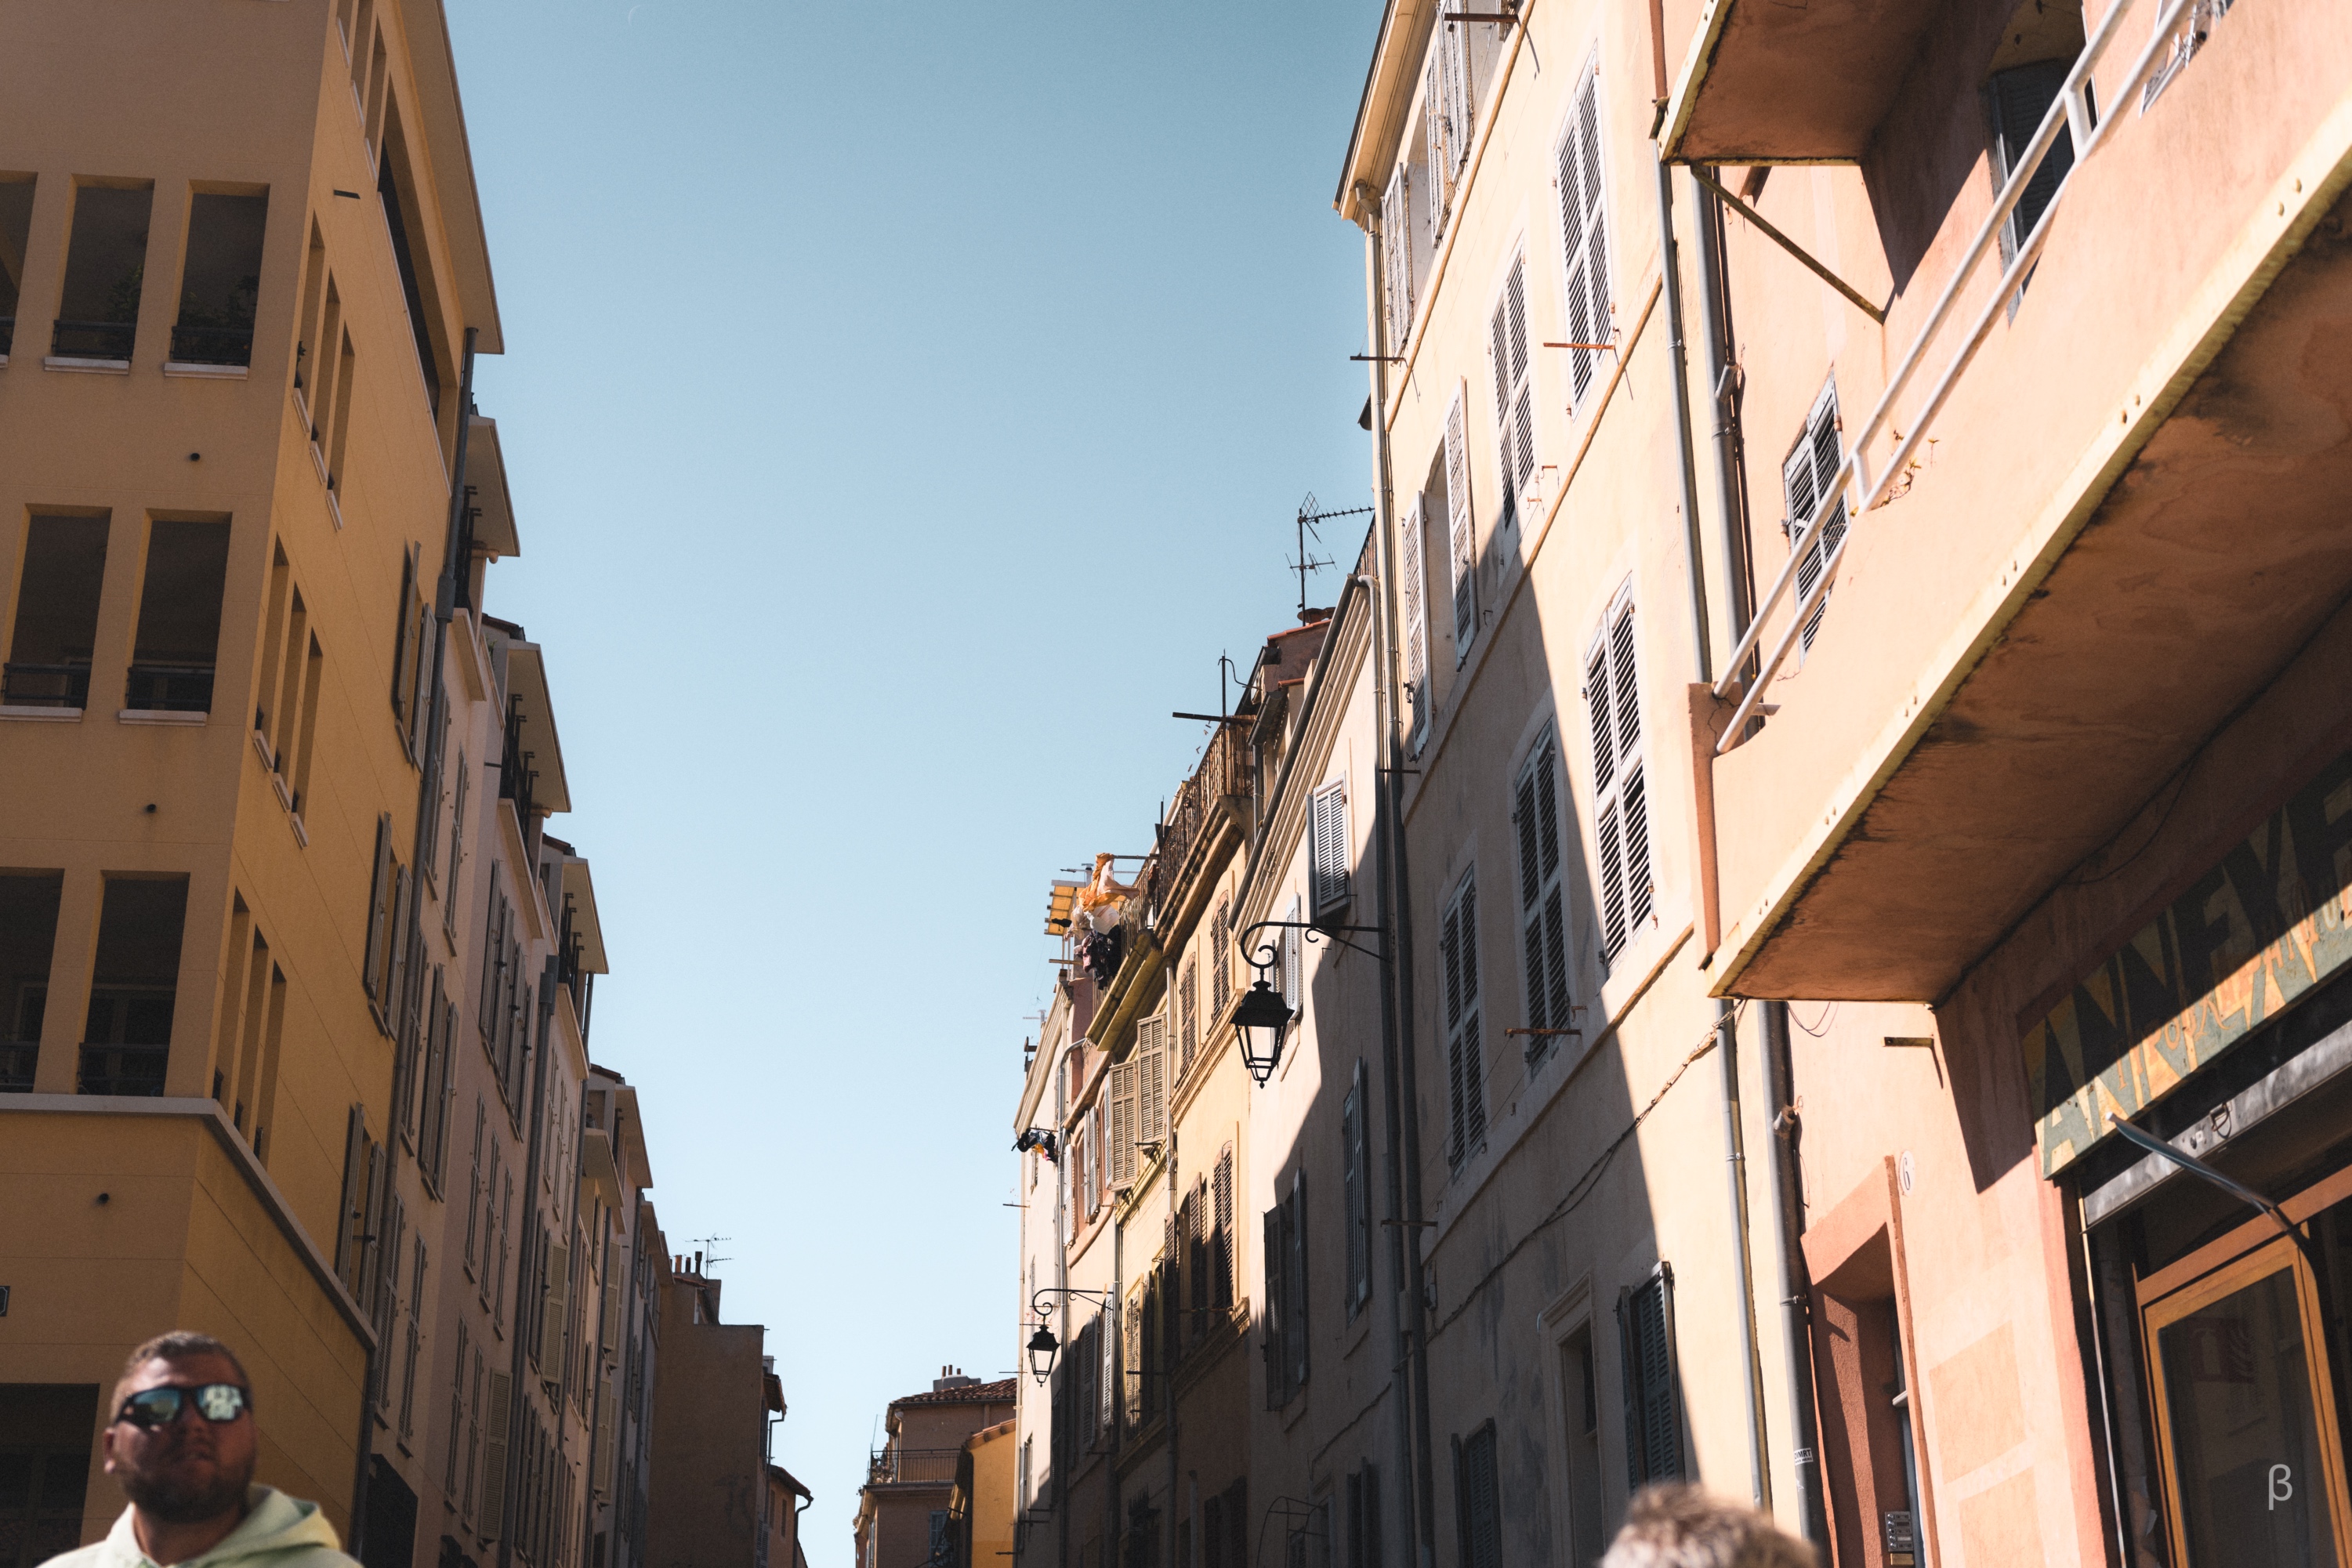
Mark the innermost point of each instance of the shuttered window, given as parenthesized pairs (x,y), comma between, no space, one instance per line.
(1584,230)
(1285,1288)
(1645,1328)
(1106,1344)
(2021,96)
(1465,1057)
(491,1521)
(1515,398)
(1294,989)
(1413,569)
(1461,534)
(1151,1080)
(1543,912)
(1221,1237)
(1396,257)
(1221,962)
(1188,1001)
(1449,113)
(1478,1499)
(1621,806)
(1356,1181)
(1328,847)
(376,963)
(1364,1518)
(1809,473)
(1124,1076)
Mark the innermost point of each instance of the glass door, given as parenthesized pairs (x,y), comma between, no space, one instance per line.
(2246,1421)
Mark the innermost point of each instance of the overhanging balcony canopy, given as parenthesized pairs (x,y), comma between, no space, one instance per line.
(1771,82)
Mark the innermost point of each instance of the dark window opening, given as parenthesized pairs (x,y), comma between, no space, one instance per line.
(57,613)
(220,281)
(2021,98)
(28,932)
(1581,1404)
(1478,1499)
(179,618)
(128,1037)
(106,266)
(16,225)
(1654,1412)
(396,219)
(44,1440)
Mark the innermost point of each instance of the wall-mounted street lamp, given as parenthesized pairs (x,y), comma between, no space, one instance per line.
(1263,1015)
(1042,1345)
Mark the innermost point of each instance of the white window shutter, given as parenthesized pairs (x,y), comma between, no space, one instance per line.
(1328,847)
(1583,229)
(1810,473)
(1292,983)
(1151,1080)
(1122,1124)
(1436,146)
(1413,567)
(1465,1069)
(1620,807)
(1462,534)
(1396,253)
(1461,105)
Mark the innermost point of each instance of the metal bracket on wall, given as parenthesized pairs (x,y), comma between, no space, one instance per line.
(1792,246)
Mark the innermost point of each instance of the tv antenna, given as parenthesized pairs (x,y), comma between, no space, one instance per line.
(1309,515)
(711,1259)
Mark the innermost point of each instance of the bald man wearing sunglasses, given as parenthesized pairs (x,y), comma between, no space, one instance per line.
(182,1443)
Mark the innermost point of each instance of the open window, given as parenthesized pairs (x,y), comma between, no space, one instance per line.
(127,1038)
(220,281)
(406,220)
(1808,473)
(16,228)
(56,628)
(2038,47)
(179,617)
(28,932)
(106,269)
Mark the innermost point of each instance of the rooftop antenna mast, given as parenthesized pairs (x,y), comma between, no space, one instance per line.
(1308,516)
(710,1245)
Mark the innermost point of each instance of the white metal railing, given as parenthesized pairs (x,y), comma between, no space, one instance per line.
(2071,110)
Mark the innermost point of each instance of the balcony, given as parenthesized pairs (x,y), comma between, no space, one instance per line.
(170,688)
(45,685)
(2132,522)
(1220,781)
(1769,82)
(897,1466)
(122,1070)
(108,342)
(202,345)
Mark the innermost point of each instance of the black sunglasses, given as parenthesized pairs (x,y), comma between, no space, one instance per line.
(218,1403)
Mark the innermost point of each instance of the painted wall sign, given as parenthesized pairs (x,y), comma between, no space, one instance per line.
(2246,941)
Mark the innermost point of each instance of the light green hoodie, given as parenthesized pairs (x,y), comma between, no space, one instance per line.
(279,1532)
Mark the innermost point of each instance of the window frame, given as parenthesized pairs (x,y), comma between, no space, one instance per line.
(1511,360)
(1544,916)
(1328,882)
(1618,778)
(1463,1026)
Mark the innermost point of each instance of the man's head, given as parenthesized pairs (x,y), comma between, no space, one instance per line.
(190,1468)
(1683,1527)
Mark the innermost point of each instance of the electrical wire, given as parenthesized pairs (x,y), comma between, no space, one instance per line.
(2155,834)
(1585,1185)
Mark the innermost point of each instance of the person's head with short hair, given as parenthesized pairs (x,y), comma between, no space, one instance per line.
(1683,1527)
(181,1439)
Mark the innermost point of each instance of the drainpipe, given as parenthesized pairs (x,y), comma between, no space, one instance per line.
(517,1406)
(1111,1326)
(1785,1217)
(1726,1024)
(1168,1393)
(1400,1121)
(1791,1284)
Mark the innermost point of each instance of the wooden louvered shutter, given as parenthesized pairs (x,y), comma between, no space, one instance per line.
(1151,1080)
(1465,1069)
(1811,476)
(1293,982)
(1122,1124)
(1436,153)
(492,1517)
(1583,226)
(1328,847)
(1507,350)
(1461,105)
(1645,1328)
(1460,532)
(1278,1310)
(1133,1332)
(1107,1384)
(1480,1502)
(1295,1291)
(1396,257)
(1413,567)
(1542,904)
(379,920)
(1621,810)
(1220,1246)
(556,1310)
(2021,96)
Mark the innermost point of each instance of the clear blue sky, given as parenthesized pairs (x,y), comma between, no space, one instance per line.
(906,404)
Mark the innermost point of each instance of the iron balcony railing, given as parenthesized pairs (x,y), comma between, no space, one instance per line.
(124,1069)
(912,1466)
(45,685)
(2070,113)
(93,339)
(1223,775)
(212,345)
(170,688)
(16,1062)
